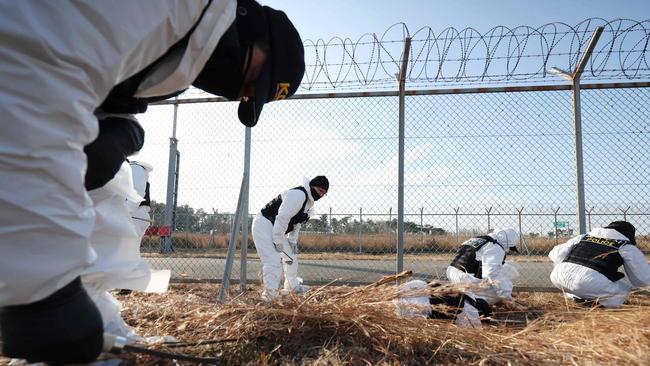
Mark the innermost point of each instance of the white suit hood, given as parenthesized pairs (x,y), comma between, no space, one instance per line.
(305,184)
(508,238)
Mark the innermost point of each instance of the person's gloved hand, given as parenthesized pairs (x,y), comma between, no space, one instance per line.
(65,327)
(284,252)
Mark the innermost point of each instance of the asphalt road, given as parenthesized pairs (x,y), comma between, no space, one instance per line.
(532,274)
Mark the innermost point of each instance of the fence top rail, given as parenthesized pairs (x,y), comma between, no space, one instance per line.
(480,90)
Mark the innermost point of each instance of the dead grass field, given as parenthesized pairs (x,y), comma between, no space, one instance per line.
(310,244)
(340,325)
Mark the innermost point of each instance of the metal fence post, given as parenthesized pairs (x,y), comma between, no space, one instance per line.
(555,224)
(488,218)
(422,226)
(521,234)
(225,281)
(577,124)
(331,229)
(172,188)
(400,184)
(589,217)
(625,212)
(360,240)
(456,209)
(244,212)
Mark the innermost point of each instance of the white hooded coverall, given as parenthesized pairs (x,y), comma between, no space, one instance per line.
(413,303)
(496,284)
(116,238)
(265,234)
(585,283)
(59,61)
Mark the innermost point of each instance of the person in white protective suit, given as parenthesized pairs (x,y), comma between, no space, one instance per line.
(73,74)
(480,266)
(414,300)
(141,211)
(275,233)
(586,267)
(122,216)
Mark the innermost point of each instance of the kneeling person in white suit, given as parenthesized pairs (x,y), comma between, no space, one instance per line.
(414,300)
(275,232)
(480,266)
(586,267)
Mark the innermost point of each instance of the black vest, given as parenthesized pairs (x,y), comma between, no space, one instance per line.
(270,211)
(147,199)
(599,254)
(465,259)
(456,304)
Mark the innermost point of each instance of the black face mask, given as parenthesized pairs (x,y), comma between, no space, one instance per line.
(315,194)
(223,73)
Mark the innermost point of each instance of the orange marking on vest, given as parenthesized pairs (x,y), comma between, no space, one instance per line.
(283,91)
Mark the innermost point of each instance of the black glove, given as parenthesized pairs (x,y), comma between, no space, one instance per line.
(118,138)
(65,327)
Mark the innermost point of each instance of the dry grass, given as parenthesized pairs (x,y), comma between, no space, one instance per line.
(367,243)
(340,325)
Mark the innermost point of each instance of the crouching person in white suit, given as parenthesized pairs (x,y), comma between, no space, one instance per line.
(415,300)
(586,267)
(480,266)
(275,233)
(141,212)
(119,226)
(65,68)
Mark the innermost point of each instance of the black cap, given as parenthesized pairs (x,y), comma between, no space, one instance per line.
(320,181)
(625,228)
(285,63)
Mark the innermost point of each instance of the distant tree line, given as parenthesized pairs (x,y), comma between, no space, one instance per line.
(199,221)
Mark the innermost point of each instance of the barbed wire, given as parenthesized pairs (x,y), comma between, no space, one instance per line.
(454,57)
(500,54)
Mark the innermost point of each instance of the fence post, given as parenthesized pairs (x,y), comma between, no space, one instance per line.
(390,221)
(456,210)
(589,217)
(400,179)
(555,223)
(172,188)
(243,260)
(360,228)
(331,229)
(625,212)
(488,218)
(232,243)
(574,78)
(422,226)
(521,234)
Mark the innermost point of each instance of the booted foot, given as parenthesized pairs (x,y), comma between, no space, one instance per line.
(269,295)
(300,289)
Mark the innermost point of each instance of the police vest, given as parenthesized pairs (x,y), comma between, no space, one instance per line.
(147,198)
(270,211)
(465,259)
(599,254)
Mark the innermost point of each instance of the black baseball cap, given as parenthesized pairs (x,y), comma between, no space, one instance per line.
(285,62)
(625,228)
(320,181)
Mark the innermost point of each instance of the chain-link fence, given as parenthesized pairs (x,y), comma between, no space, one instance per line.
(475,159)
(473,162)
